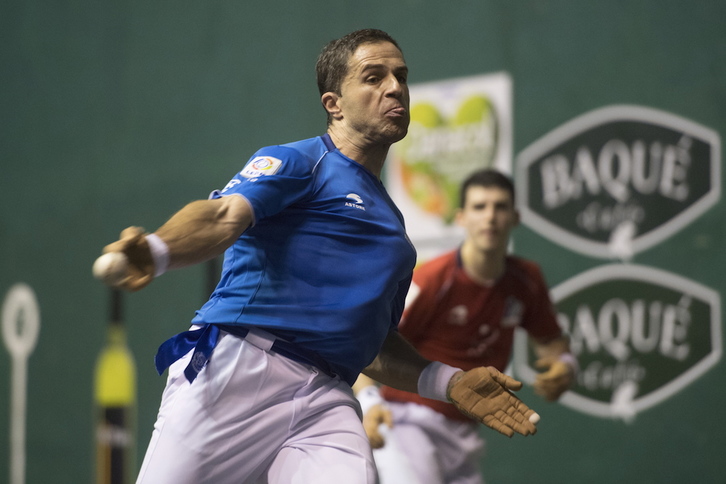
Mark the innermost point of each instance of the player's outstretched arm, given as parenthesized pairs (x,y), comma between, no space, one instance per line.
(483,394)
(201,230)
(398,364)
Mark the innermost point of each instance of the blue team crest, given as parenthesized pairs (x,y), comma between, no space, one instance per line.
(261,166)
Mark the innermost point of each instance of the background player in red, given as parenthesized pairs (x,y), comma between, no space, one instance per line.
(462,309)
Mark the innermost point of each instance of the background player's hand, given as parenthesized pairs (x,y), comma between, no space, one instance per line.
(484,394)
(140,270)
(372,420)
(555,380)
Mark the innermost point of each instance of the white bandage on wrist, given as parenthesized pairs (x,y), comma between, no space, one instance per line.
(570,360)
(159,252)
(368,397)
(434,381)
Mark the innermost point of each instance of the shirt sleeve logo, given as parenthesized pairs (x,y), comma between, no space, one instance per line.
(232,183)
(261,166)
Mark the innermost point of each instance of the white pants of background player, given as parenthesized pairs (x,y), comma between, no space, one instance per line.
(424,447)
(253,416)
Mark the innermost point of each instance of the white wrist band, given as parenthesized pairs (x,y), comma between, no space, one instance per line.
(434,381)
(368,397)
(159,252)
(571,361)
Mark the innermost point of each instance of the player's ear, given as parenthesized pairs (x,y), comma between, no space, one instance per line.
(517,218)
(459,217)
(331,103)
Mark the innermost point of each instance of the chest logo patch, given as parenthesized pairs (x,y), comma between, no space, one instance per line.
(512,313)
(458,315)
(354,200)
(261,166)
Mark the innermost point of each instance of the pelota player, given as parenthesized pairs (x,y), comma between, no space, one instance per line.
(316,269)
(462,310)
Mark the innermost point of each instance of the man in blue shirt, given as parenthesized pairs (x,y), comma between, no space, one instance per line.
(317,266)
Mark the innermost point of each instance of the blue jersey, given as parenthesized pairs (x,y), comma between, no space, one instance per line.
(326,264)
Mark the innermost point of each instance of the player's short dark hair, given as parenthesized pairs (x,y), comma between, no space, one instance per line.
(332,65)
(487,177)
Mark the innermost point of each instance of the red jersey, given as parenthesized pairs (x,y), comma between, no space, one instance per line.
(453,319)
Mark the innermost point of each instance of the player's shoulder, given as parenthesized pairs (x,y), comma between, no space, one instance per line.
(441,260)
(524,269)
(439,265)
(522,263)
(297,155)
(311,148)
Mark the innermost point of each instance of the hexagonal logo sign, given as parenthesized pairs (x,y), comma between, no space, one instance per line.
(618,180)
(640,335)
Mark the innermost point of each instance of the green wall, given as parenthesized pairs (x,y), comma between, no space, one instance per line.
(119,113)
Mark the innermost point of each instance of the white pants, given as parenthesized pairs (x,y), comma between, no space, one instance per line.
(253,416)
(424,447)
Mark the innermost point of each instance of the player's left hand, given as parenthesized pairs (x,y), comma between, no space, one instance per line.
(555,380)
(485,395)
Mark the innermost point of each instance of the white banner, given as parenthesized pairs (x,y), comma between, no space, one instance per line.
(457,126)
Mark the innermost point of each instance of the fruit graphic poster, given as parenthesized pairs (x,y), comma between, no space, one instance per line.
(457,126)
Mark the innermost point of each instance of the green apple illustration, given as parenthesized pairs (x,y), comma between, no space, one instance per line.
(438,154)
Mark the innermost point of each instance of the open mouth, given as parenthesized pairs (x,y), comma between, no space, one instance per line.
(399,111)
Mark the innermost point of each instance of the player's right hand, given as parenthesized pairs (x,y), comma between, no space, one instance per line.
(140,272)
(372,420)
(484,394)
(557,378)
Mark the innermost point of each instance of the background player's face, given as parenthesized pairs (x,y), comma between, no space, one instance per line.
(488,216)
(374,98)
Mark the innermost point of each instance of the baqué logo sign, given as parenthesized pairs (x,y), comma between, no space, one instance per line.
(640,335)
(618,180)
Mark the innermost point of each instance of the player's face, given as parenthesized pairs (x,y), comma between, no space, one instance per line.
(488,216)
(374,99)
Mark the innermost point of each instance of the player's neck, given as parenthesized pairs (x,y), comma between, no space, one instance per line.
(370,155)
(484,267)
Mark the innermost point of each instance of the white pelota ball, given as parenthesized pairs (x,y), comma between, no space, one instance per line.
(111,268)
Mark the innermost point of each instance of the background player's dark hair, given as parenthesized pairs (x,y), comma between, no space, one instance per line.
(488,177)
(332,65)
